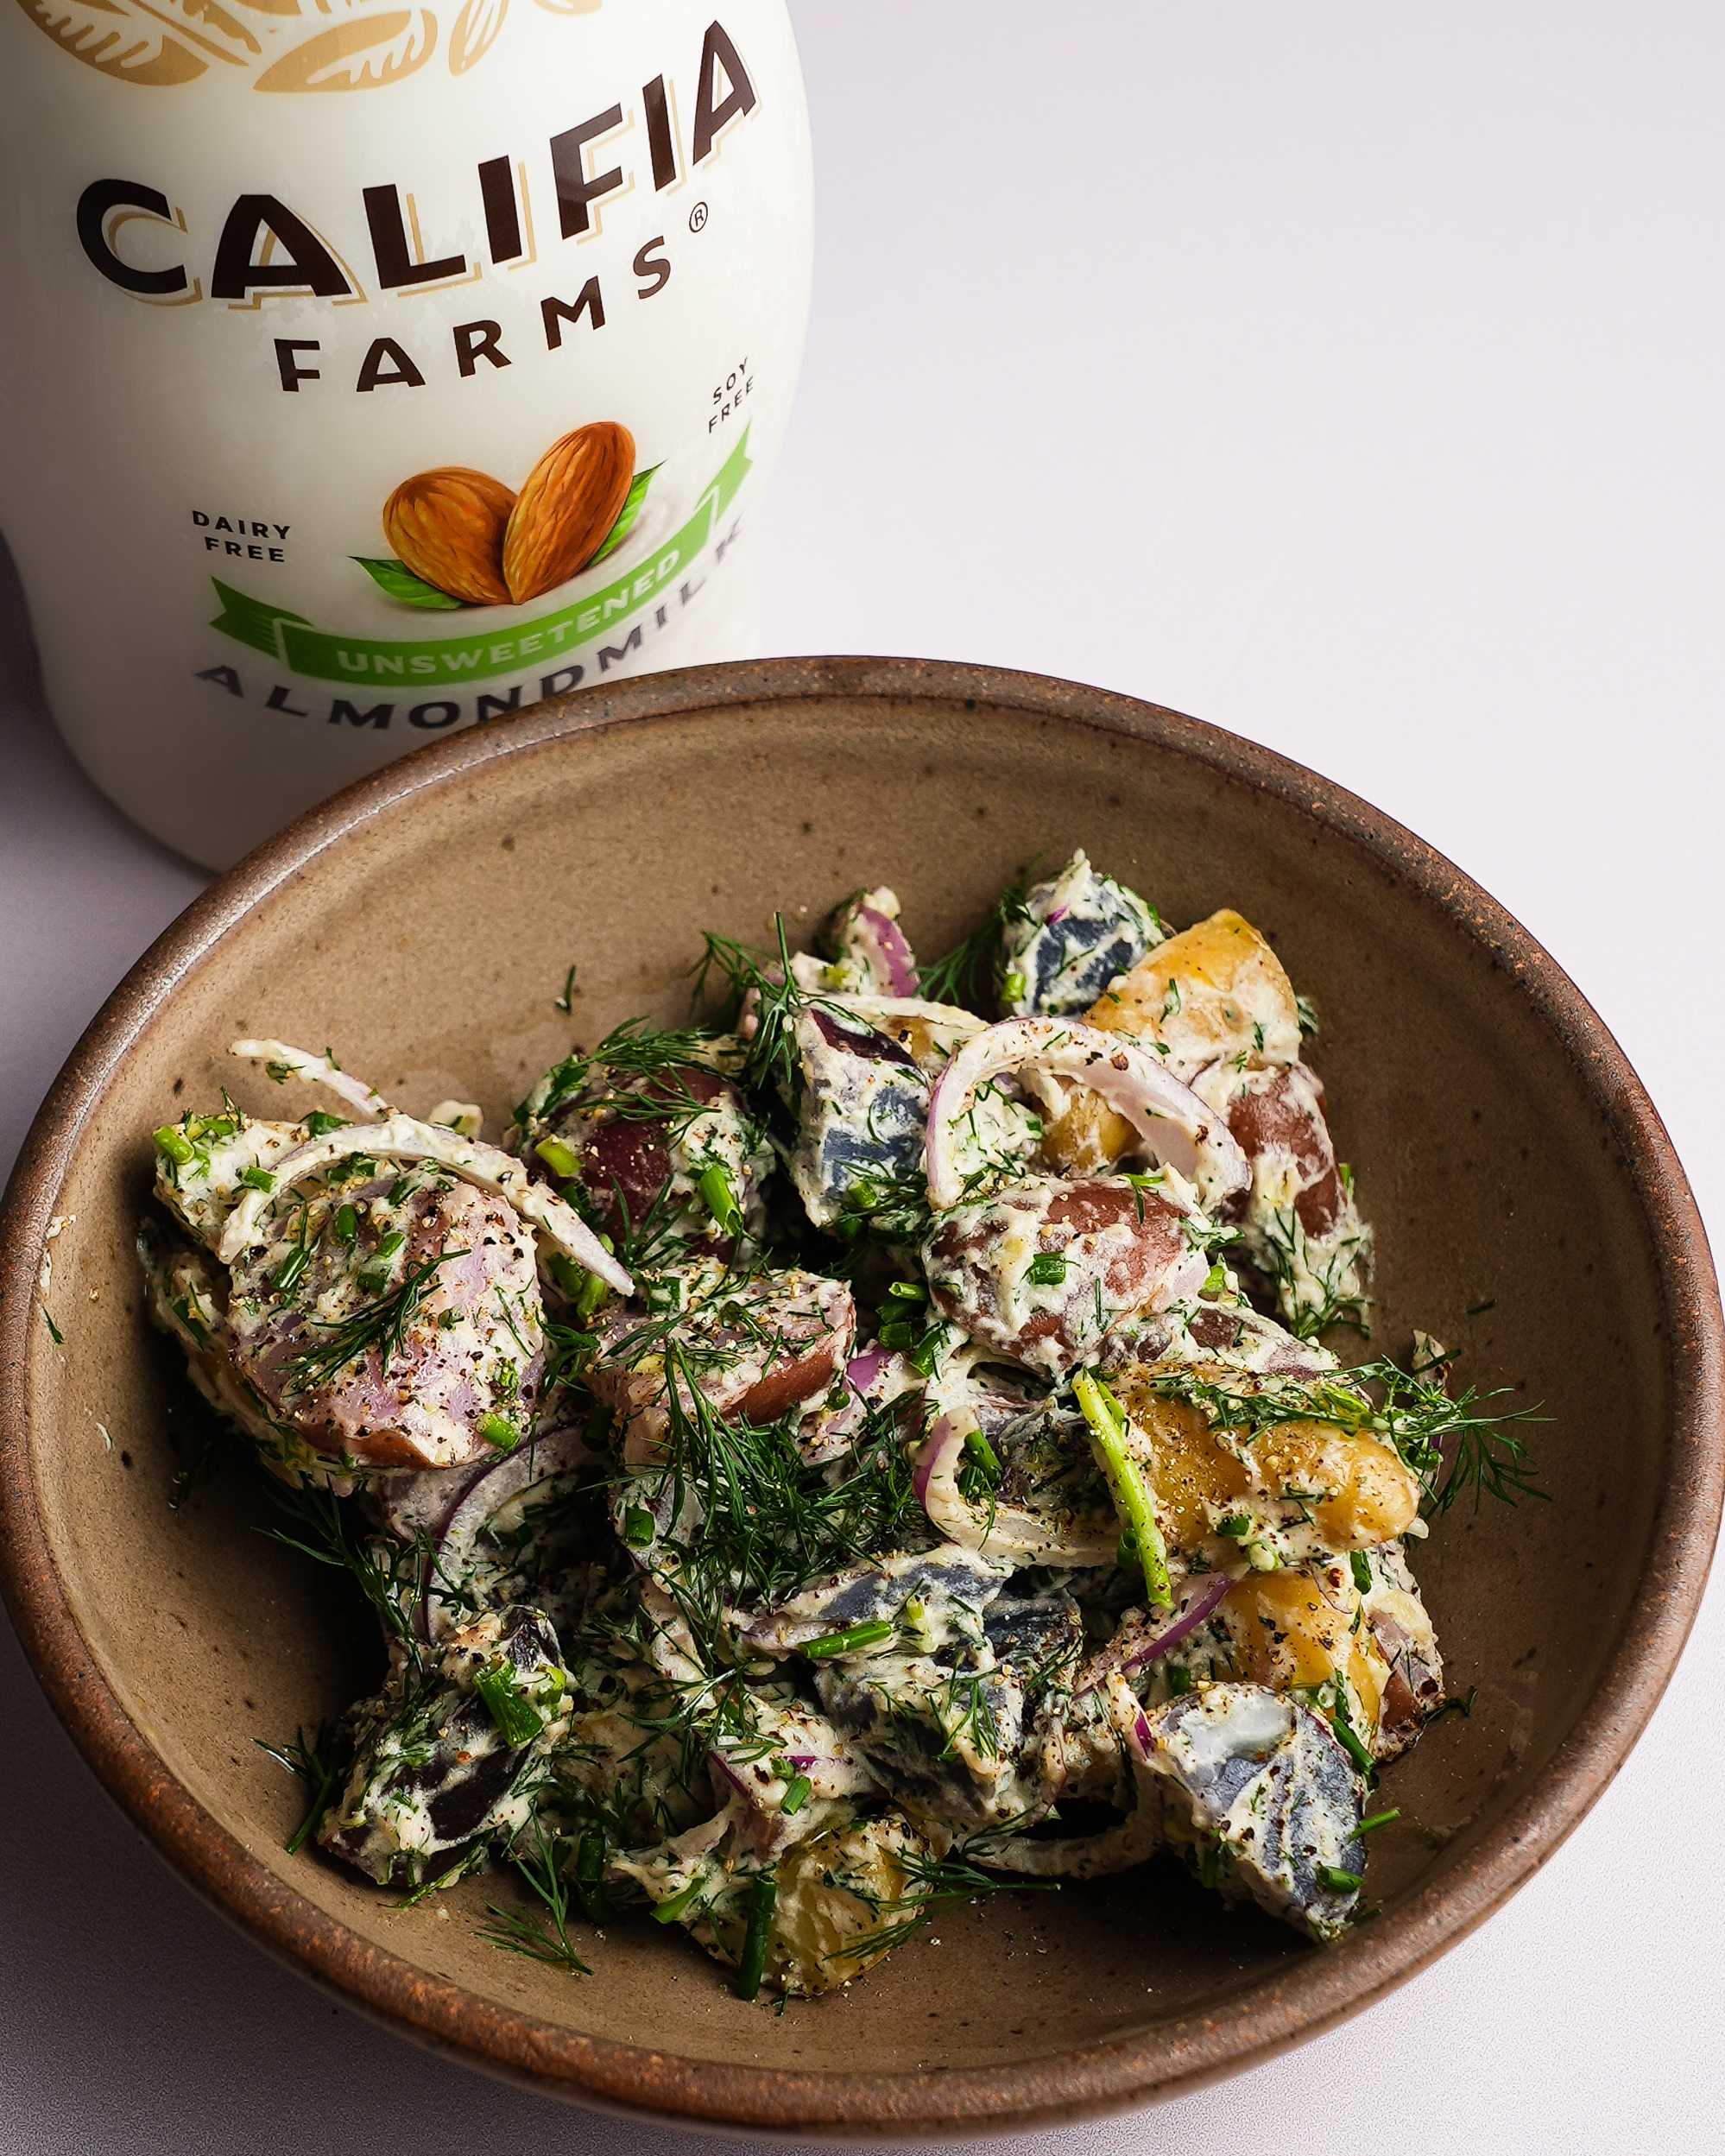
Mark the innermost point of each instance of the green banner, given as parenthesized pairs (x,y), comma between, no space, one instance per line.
(292,640)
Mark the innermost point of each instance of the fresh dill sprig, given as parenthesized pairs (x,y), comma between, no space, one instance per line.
(321,1761)
(970,973)
(389,1575)
(382,1324)
(773,1523)
(1341,1298)
(933,1882)
(771,1063)
(542,1935)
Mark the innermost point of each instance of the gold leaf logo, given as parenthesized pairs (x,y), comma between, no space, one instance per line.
(365,51)
(349,44)
(475,27)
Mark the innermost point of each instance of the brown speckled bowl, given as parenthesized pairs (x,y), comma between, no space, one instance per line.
(1530,1211)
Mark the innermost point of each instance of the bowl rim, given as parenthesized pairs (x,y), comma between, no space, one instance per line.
(1205,2044)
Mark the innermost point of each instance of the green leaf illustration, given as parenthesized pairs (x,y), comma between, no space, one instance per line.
(400,582)
(627,515)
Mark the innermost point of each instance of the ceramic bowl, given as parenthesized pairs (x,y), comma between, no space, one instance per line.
(1530,1211)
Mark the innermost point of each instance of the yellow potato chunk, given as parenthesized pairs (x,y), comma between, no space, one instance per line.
(1215,991)
(1348,1491)
(842,1893)
(1373,1497)
(1289,1634)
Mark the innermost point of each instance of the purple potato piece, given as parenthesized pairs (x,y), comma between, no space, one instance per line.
(434,1772)
(862,1108)
(1262,1799)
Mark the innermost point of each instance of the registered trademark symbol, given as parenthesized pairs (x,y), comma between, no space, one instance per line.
(698,218)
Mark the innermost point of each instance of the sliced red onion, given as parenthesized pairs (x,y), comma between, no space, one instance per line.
(721,1767)
(402,1138)
(1204,1595)
(1176,1126)
(1055,915)
(888,952)
(418,1501)
(1002,1530)
(861,1371)
(559,1451)
(316,1070)
(1192,1614)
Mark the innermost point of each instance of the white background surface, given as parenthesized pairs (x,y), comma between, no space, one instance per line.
(1353,380)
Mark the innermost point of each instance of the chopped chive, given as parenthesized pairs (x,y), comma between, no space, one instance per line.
(1378,1819)
(1012,987)
(1337,1881)
(1216,1280)
(720,1200)
(1046,1270)
(389,1244)
(1351,1743)
(674,1905)
(320,1122)
(347,1223)
(899,1333)
(908,1291)
(983,1454)
(1363,1571)
(926,1352)
(851,1640)
(287,1272)
(373,1281)
(638,1528)
(585,1289)
(1126,1485)
(1236,1525)
(519,1718)
(499,1431)
(796,1793)
(762,1897)
(563,1160)
(1180,1680)
(172,1141)
(257,1178)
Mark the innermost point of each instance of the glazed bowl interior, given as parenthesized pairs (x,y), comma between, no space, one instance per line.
(1528,1213)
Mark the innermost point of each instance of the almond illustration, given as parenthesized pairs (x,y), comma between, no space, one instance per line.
(567,507)
(448,526)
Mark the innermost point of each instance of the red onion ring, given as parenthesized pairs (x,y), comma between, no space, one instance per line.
(402,1138)
(1203,1597)
(1178,1128)
(1007,1531)
(559,1451)
(316,1070)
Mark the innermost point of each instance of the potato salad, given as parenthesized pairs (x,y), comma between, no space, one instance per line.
(880,1442)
